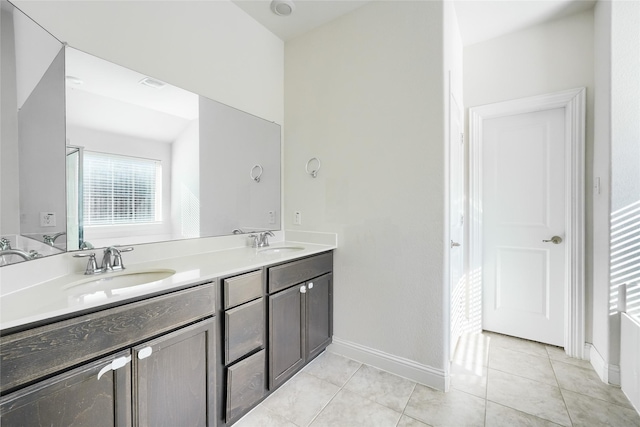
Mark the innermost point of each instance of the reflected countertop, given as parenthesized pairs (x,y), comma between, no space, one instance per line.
(57,299)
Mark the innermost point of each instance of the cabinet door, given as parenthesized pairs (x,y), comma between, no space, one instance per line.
(245,385)
(286,329)
(74,398)
(319,307)
(174,378)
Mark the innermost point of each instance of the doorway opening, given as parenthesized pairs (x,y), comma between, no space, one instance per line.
(572,103)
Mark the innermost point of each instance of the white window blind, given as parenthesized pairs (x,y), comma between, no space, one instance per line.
(121,190)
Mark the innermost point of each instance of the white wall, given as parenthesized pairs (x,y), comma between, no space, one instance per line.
(365,94)
(618,161)
(42,178)
(211,48)
(542,59)
(602,170)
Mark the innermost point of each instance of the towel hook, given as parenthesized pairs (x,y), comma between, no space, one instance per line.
(257,177)
(313,172)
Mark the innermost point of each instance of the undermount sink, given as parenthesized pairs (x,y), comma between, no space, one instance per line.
(281,249)
(121,279)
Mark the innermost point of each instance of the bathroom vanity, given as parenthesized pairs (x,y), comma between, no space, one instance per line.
(194,351)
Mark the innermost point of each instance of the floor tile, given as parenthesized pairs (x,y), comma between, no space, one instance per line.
(586,411)
(263,417)
(472,352)
(333,368)
(455,408)
(523,364)
(382,387)
(502,416)
(410,422)
(516,344)
(523,394)
(348,409)
(469,381)
(586,381)
(301,398)
(557,353)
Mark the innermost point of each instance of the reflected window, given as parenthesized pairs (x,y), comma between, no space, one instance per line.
(120,190)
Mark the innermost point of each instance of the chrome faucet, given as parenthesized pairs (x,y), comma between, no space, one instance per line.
(261,240)
(50,240)
(24,254)
(112,258)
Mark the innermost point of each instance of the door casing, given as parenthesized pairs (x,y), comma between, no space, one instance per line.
(573,101)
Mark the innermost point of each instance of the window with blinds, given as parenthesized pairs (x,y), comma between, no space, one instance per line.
(120,190)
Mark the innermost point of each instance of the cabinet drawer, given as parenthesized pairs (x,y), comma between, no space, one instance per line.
(245,384)
(285,275)
(244,329)
(38,352)
(243,288)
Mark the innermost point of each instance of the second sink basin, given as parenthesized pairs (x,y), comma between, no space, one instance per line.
(121,279)
(281,249)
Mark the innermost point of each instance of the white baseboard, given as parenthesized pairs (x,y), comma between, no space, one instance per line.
(423,374)
(609,374)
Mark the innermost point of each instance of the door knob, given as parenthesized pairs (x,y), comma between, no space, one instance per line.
(454,244)
(556,240)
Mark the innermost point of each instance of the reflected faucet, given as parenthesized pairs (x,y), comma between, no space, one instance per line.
(50,240)
(24,254)
(5,244)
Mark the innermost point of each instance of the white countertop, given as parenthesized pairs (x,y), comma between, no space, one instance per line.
(50,299)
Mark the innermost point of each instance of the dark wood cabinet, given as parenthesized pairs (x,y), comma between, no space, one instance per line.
(300,316)
(74,398)
(242,371)
(173,378)
(162,372)
(319,325)
(286,334)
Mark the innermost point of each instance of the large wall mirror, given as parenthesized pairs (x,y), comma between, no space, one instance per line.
(115,157)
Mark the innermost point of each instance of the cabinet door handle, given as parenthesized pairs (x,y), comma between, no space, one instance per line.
(145,352)
(115,364)
(303,289)
(310,285)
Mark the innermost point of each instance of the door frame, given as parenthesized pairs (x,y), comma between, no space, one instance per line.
(573,101)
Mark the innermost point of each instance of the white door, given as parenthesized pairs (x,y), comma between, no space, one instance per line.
(523,185)
(459,312)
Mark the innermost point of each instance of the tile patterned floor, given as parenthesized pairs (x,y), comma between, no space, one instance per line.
(495,381)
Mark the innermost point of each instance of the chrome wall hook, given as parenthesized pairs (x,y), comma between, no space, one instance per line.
(314,171)
(254,177)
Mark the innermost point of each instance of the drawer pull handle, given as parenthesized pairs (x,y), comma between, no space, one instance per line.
(115,364)
(144,353)
(310,285)
(303,289)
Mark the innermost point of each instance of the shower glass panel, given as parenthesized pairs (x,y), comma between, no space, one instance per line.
(75,233)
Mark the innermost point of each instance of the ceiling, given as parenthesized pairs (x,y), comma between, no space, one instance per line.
(479,20)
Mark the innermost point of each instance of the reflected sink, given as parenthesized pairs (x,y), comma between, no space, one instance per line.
(121,279)
(281,249)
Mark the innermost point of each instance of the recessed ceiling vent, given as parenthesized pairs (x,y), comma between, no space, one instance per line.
(282,7)
(156,84)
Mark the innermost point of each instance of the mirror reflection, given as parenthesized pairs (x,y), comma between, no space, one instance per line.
(94,154)
(32,170)
(161,163)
